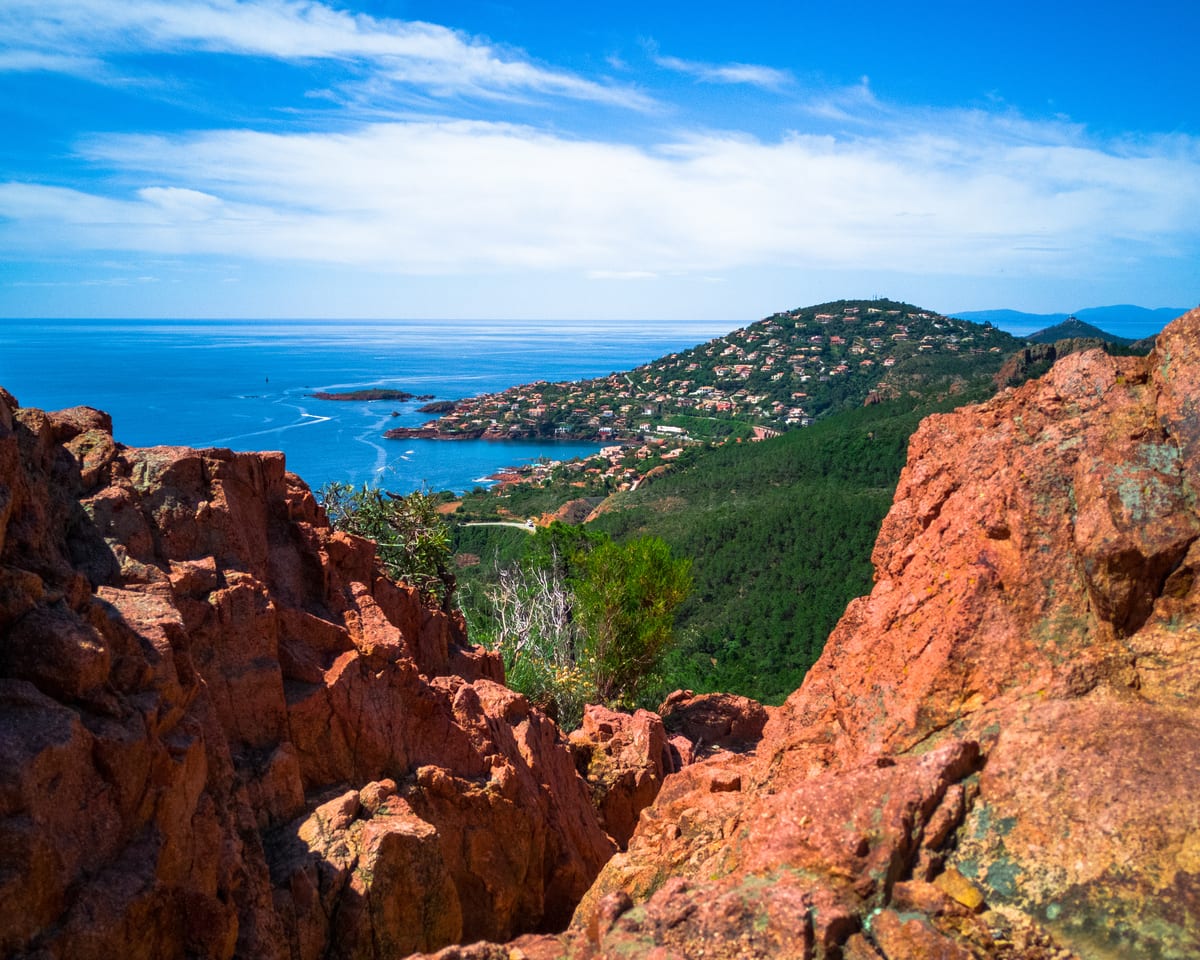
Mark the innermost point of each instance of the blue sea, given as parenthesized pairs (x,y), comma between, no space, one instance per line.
(245,384)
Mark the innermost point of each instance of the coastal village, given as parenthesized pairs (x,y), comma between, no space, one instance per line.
(778,374)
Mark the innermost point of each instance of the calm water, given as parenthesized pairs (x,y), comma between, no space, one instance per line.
(244,384)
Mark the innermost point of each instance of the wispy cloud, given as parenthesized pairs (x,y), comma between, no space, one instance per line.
(768,78)
(954,193)
(79,36)
(41,61)
(621,275)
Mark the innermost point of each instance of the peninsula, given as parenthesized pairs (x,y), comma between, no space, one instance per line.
(777,374)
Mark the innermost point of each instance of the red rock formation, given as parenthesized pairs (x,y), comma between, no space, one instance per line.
(624,758)
(998,753)
(710,720)
(996,756)
(223,731)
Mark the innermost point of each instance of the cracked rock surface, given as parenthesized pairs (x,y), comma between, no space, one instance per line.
(224,732)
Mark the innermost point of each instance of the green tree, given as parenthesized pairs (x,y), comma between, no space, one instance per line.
(581,619)
(562,548)
(625,603)
(411,538)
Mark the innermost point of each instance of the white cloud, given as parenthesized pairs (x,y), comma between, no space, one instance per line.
(76,36)
(38,61)
(751,74)
(956,193)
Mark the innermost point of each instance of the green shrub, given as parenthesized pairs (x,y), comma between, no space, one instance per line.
(531,626)
(626,601)
(582,619)
(411,538)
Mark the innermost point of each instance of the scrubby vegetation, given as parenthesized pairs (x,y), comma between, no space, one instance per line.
(580,618)
(577,617)
(412,539)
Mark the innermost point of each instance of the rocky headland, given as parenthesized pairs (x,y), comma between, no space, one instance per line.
(776,374)
(225,733)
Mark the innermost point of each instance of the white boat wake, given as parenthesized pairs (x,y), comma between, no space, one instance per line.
(306,420)
(368,437)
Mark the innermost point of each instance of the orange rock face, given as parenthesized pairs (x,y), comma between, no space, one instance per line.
(998,753)
(711,720)
(223,732)
(624,758)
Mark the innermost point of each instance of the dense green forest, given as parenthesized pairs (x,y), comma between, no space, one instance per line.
(779,534)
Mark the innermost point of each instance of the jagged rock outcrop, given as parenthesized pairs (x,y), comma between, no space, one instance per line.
(1037,358)
(624,758)
(997,753)
(224,732)
(714,720)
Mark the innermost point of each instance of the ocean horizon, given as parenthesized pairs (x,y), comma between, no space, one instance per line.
(247,384)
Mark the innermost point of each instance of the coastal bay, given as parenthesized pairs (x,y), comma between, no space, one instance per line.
(245,385)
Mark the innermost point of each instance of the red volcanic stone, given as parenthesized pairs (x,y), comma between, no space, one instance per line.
(223,732)
(624,758)
(899,937)
(714,719)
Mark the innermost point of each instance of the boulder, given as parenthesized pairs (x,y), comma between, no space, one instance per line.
(709,720)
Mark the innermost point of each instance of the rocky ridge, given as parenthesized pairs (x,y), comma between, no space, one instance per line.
(224,732)
(996,755)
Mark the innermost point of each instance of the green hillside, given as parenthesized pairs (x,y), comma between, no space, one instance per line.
(780,535)
(780,373)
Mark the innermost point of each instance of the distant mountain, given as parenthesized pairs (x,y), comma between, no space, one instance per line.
(1125,321)
(1014,321)
(1074,328)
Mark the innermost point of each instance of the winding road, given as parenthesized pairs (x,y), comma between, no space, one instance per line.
(528,526)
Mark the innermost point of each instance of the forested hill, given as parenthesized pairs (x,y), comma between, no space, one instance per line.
(1073,328)
(796,365)
(780,536)
(784,371)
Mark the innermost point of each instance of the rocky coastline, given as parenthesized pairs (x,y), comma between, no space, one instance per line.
(433,432)
(225,733)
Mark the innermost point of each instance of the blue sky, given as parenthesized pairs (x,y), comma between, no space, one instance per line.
(280,158)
